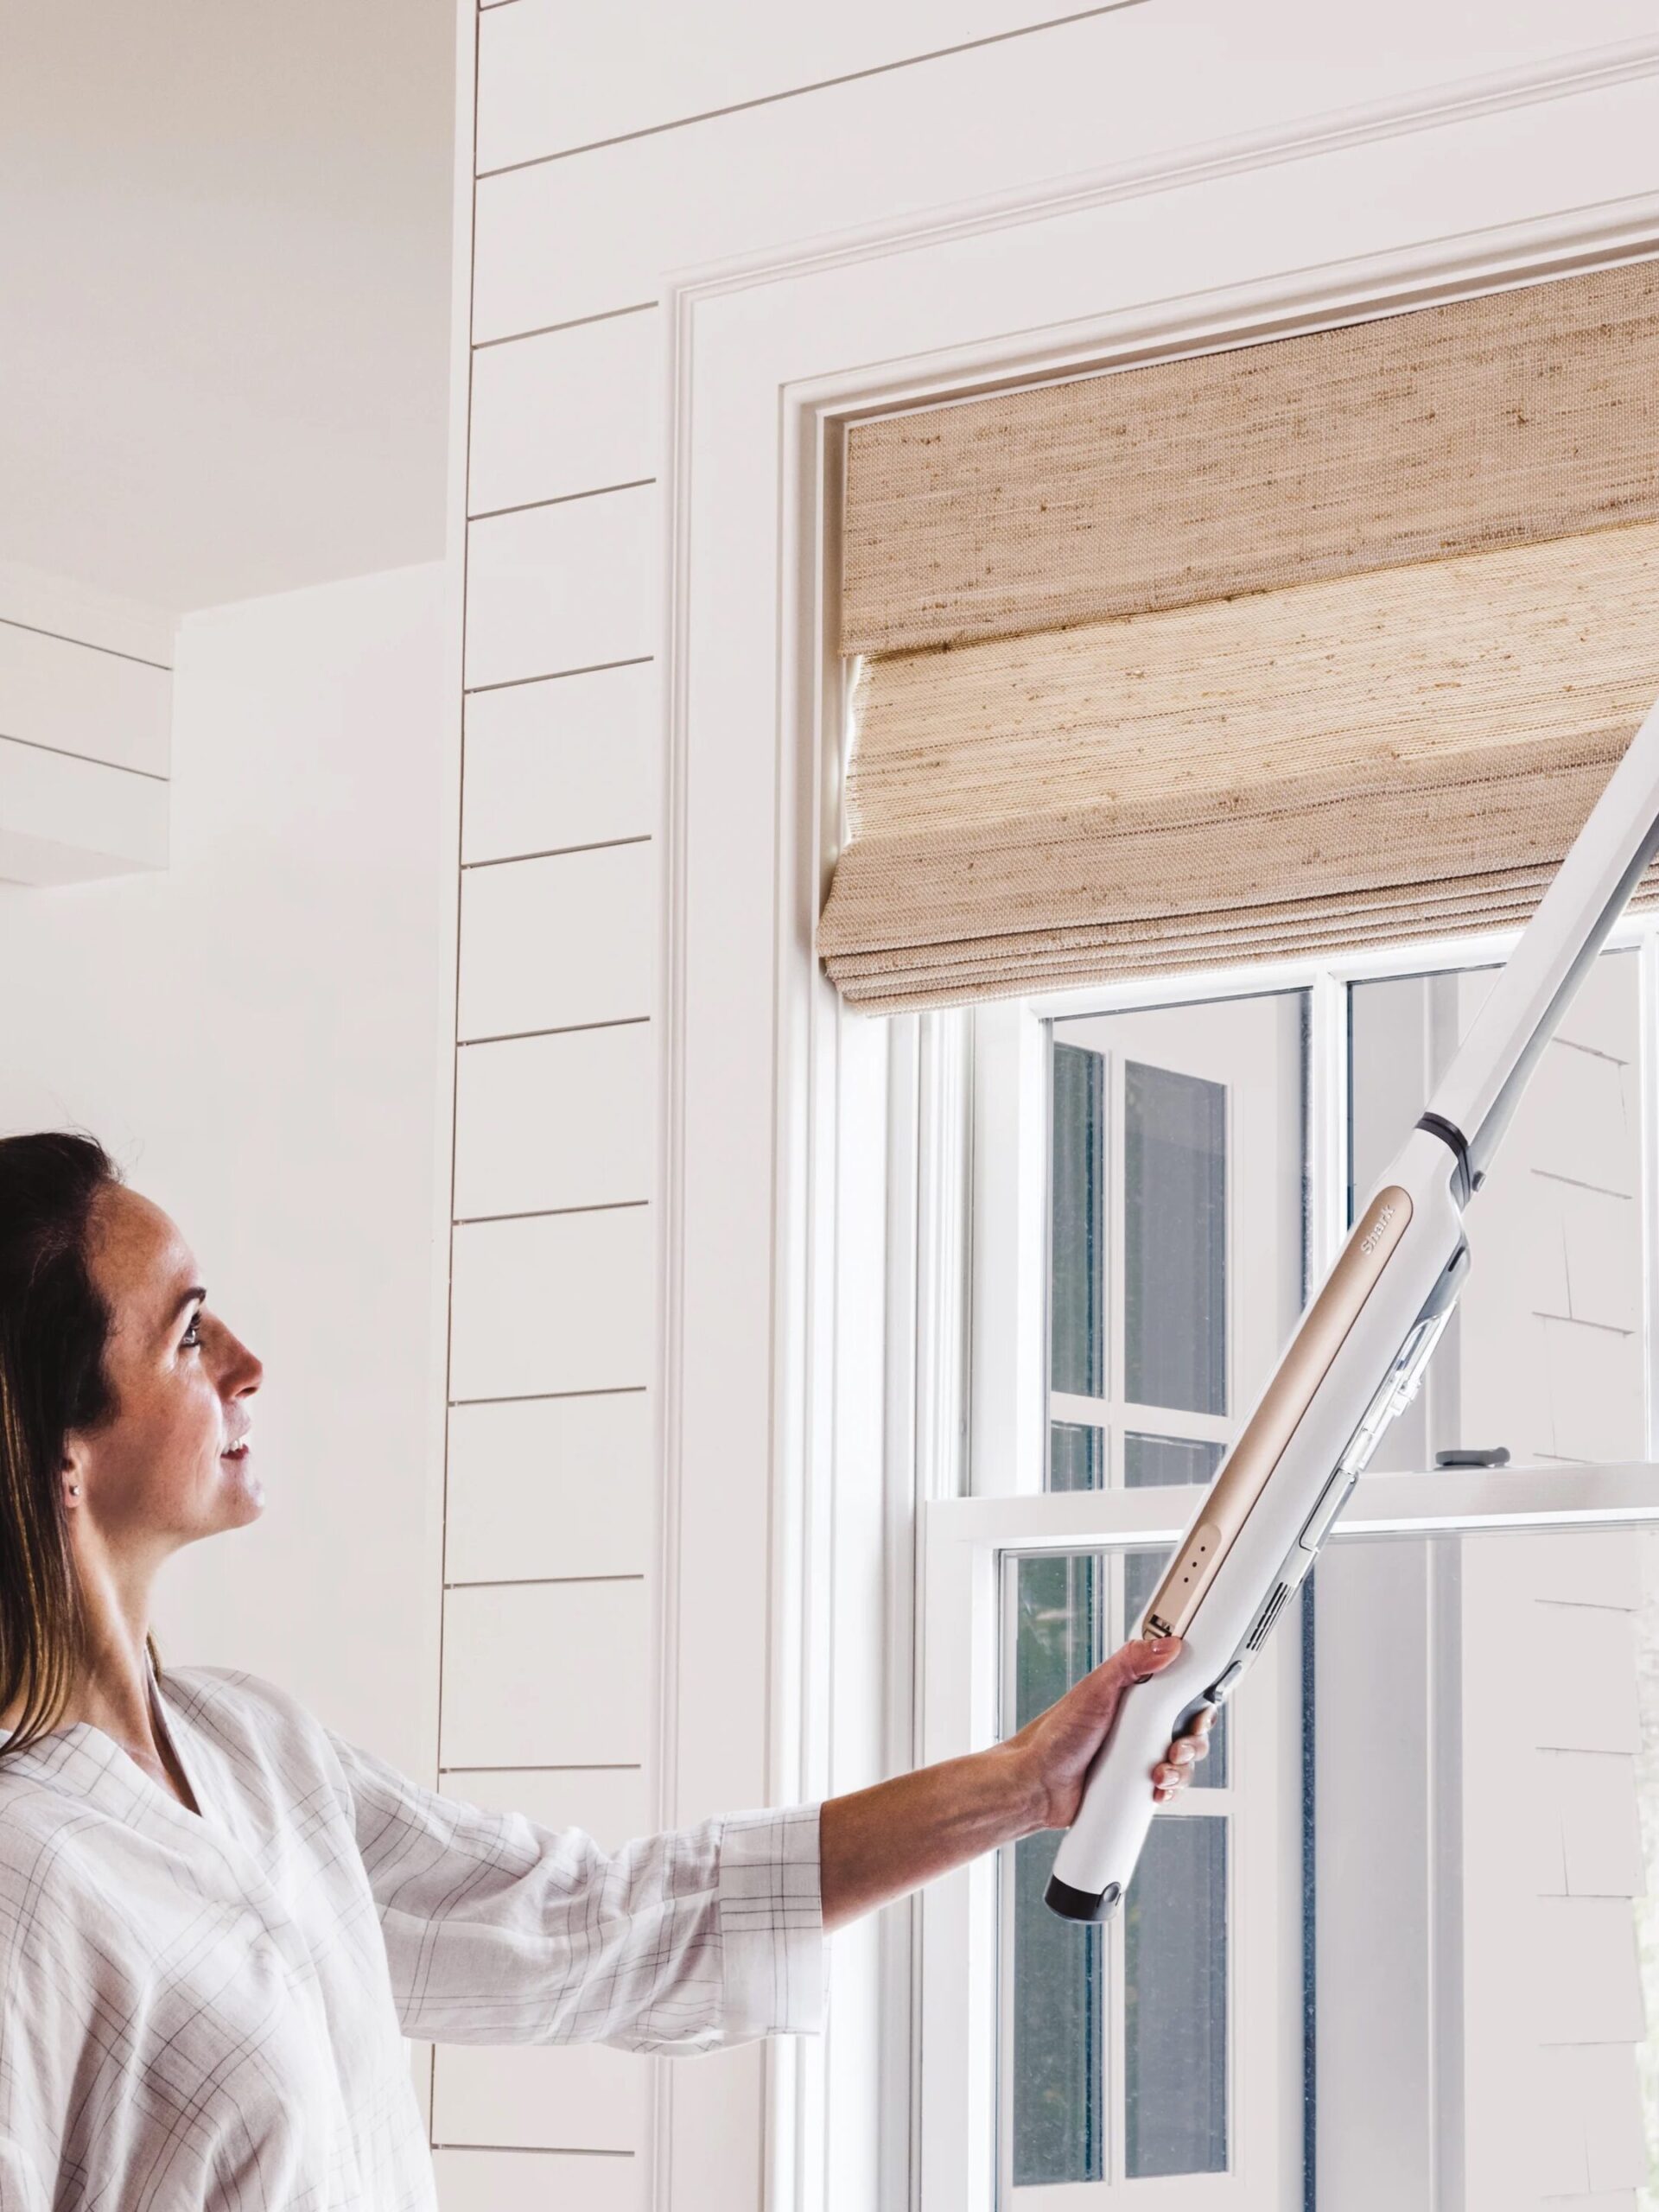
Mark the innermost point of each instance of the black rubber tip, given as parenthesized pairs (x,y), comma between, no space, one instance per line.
(1081,1905)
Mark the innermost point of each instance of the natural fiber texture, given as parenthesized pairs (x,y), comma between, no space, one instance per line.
(1505,420)
(1381,757)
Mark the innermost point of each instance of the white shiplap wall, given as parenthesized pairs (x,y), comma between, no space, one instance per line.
(85,709)
(616,148)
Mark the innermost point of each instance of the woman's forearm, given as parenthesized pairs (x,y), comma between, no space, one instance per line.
(880,1842)
(877,1843)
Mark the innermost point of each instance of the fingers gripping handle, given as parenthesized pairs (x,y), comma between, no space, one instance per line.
(1098,1852)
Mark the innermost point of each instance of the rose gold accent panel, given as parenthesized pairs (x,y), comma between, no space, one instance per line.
(1244,1472)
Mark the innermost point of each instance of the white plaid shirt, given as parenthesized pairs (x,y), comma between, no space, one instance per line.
(207,2012)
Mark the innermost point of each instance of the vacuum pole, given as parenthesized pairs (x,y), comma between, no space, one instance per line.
(1482,1087)
(1358,1353)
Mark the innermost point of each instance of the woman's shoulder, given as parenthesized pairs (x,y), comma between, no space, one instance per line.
(227,1702)
(272,1751)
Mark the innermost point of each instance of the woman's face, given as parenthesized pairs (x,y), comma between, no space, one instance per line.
(172,1461)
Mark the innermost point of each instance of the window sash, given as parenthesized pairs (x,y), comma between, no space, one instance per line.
(1008,1399)
(967,1543)
(969,1540)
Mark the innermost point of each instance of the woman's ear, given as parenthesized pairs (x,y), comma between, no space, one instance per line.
(69,1475)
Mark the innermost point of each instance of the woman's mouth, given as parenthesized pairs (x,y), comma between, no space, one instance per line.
(237,1451)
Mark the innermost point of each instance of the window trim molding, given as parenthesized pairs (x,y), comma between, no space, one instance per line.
(1346,218)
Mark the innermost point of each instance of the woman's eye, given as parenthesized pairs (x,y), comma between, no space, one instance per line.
(192,1334)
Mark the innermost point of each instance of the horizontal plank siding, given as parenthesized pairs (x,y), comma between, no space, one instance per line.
(598,230)
(77,698)
(552,1304)
(1588,1987)
(60,607)
(568,2097)
(1601,1250)
(550,1487)
(558,943)
(568,412)
(1595,1796)
(1608,2095)
(567,762)
(1594,1379)
(558,587)
(67,820)
(612,1803)
(558,1122)
(547,80)
(586,236)
(1582,1567)
(1567,1647)
(541,2181)
(545,1674)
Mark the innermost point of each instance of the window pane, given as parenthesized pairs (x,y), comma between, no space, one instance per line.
(1142,1573)
(1173,1920)
(1545,1354)
(1077,1235)
(1077,1456)
(1175,1239)
(1175,2003)
(1486,1864)
(1058,1969)
(1155,1459)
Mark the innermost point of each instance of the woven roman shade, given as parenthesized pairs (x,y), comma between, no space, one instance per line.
(1307,644)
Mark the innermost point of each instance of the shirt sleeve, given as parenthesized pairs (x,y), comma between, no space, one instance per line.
(20,2187)
(500,1930)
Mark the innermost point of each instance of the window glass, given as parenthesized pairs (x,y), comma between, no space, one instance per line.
(1170,2012)
(1175,1132)
(1177,1136)
(1077,1456)
(1078,1229)
(1545,1356)
(1162,1460)
(1486,1762)
(1059,1999)
(1175,2001)
(1175,1240)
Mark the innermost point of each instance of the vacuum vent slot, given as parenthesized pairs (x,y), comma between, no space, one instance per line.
(1268,1614)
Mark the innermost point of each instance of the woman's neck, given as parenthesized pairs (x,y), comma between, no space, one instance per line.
(112,1688)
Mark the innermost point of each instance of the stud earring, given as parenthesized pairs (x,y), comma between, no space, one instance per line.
(74,1489)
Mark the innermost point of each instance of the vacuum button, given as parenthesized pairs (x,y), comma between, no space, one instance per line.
(1331,1499)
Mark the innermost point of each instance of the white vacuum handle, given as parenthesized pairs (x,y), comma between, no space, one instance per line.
(1100,1850)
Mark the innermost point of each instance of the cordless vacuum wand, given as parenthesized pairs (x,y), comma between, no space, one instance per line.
(1358,1353)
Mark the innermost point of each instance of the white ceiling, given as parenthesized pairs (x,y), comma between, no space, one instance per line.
(225,232)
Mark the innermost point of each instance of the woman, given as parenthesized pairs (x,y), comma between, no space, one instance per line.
(219,1919)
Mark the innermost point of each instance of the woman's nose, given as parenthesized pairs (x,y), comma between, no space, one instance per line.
(244,1372)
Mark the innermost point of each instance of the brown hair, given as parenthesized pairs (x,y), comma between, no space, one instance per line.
(54,1329)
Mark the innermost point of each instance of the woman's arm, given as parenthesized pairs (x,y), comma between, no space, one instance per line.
(880,1842)
(499,1930)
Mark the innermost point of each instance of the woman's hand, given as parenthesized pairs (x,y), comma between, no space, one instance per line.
(877,1843)
(1058,1747)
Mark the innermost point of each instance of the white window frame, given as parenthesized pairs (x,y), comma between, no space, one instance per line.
(785,1366)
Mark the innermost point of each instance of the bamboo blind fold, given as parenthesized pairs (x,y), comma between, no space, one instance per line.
(1293,647)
